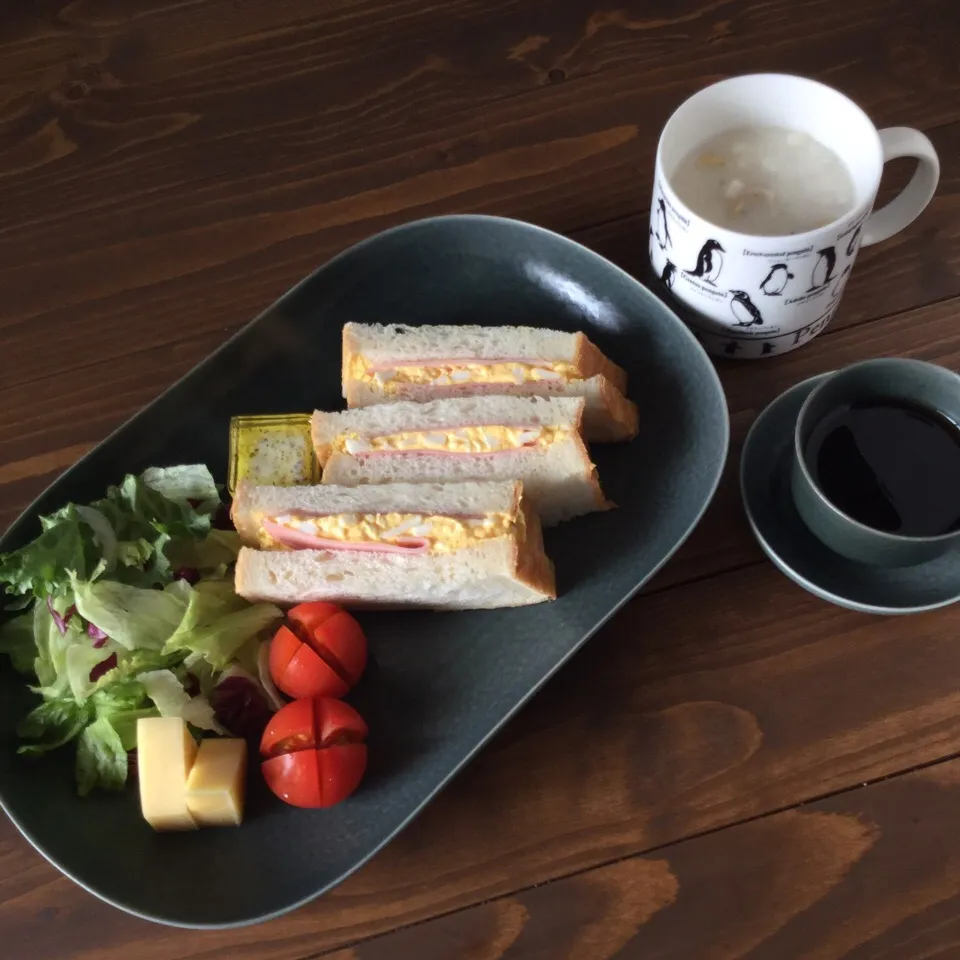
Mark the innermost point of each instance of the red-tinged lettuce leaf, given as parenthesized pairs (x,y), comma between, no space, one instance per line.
(240,706)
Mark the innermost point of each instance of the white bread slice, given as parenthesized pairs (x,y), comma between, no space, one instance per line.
(492,574)
(609,415)
(559,480)
(395,342)
(501,572)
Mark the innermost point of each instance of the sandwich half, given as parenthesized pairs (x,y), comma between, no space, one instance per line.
(439,546)
(394,362)
(532,439)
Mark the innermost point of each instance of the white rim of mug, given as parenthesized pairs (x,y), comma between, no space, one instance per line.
(893,538)
(855,211)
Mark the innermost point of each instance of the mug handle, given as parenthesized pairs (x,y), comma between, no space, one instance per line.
(904,208)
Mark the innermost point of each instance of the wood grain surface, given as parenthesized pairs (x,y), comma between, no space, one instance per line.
(862,874)
(692,784)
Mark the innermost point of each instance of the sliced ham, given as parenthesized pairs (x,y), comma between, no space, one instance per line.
(363,455)
(473,388)
(455,362)
(299,540)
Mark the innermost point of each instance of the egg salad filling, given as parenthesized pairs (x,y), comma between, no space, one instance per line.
(449,372)
(485,439)
(435,534)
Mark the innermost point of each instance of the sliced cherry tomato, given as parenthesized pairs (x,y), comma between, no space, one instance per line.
(313,615)
(341,770)
(334,634)
(292,727)
(314,752)
(312,722)
(322,652)
(294,778)
(299,671)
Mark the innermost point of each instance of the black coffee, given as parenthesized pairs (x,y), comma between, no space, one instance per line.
(892,465)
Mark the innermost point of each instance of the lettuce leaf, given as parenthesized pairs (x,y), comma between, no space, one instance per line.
(53,723)
(141,504)
(16,641)
(190,484)
(209,619)
(125,723)
(50,664)
(39,568)
(172,700)
(131,664)
(101,758)
(127,693)
(81,657)
(216,551)
(217,630)
(127,531)
(134,617)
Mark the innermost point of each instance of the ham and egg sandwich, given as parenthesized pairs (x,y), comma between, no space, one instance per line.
(440,546)
(389,362)
(533,439)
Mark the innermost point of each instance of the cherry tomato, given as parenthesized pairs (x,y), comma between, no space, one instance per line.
(299,671)
(320,653)
(311,722)
(313,752)
(336,636)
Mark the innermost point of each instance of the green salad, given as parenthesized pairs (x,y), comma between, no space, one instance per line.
(124,608)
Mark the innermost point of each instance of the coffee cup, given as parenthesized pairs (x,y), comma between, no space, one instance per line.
(755,296)
(907,388)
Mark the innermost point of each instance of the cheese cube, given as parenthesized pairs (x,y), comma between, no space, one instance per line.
(165,755)
(215,786)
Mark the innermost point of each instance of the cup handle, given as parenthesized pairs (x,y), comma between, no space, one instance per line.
(904,208)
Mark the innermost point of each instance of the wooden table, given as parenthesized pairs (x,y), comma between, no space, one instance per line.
(732,768)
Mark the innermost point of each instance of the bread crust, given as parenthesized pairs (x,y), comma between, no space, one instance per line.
(532,566)
(591,362)
(241,513)
(346,359)
(615,419)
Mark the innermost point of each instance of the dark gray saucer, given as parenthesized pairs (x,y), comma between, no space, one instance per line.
(765,487)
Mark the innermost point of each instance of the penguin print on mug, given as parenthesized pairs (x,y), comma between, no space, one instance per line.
(669,274)
(744,310)
(776,280)
(822,272)
(841,282)
(852,242)
(756,217)
(709,263)
(661,233)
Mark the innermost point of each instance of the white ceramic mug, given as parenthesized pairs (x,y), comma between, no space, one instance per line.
(761,296)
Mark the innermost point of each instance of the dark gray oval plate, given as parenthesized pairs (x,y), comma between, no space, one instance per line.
(441,684)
